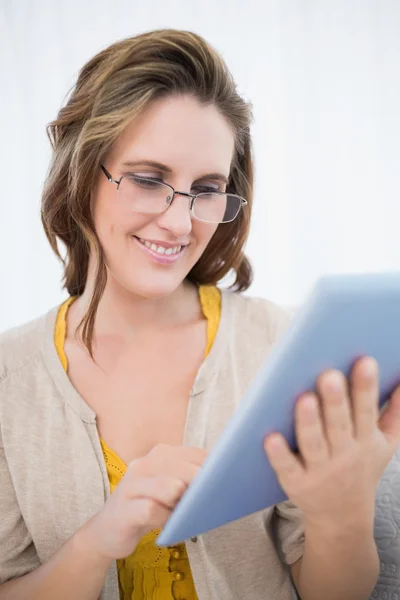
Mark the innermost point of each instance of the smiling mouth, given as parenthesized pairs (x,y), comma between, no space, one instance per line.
(160,249)
(163,255)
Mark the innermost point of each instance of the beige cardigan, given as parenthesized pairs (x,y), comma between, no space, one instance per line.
(52,472)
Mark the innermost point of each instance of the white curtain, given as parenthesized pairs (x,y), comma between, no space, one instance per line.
(324,79)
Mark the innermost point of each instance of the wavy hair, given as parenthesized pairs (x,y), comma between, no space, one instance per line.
(113,88)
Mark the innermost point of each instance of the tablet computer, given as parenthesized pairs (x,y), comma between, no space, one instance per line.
(346,317)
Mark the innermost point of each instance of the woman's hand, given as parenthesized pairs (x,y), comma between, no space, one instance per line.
(344,447)
(144,499)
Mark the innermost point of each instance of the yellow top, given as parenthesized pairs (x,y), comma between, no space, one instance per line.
(151,572)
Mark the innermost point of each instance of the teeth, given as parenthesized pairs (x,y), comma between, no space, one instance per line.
(160,249)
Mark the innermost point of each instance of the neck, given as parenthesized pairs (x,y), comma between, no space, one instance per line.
(125,314)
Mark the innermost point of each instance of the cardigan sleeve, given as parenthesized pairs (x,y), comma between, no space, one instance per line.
(289,531)
(287,518)
(18,555)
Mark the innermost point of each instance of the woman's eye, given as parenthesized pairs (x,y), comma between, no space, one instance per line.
(204,189)
(146,182)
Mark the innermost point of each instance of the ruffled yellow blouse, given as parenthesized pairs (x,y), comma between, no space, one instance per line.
(150,573)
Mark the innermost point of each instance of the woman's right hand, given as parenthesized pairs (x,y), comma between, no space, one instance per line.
(144,499)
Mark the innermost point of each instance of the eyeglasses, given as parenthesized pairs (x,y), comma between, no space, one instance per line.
(151,196)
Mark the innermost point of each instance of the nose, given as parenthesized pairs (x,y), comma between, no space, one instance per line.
(177,218)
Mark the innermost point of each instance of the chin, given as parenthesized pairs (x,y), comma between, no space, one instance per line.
(153,288)
(152,282)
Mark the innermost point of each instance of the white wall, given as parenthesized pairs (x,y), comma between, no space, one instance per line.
(324,78)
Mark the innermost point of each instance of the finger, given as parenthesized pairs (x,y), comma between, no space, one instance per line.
(286,465)
(389,422)
(196,456)
(364,384)
(167,491)
(310,433)
(335,402)
(148,514)
(169,453)
(184,470)
(153,467)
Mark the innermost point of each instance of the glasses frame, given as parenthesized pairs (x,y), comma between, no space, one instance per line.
(175,192)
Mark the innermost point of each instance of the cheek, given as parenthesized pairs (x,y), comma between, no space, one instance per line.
(106,226)
(203,232)
(104,220)
(114,226)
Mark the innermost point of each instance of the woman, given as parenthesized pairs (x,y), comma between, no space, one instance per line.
(109,403)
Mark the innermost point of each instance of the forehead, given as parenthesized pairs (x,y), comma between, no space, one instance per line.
(180,132)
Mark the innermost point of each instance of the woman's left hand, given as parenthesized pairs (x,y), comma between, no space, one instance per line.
(344,447)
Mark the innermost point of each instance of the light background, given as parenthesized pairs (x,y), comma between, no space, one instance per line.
(324,79)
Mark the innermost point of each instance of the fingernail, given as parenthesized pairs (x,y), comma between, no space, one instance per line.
(334,382)
(370,367)
(309,401)
(274,442)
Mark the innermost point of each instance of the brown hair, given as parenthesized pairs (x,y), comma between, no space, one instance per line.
(114,87)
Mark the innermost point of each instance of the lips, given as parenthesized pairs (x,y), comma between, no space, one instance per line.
(160,248)
(160,252)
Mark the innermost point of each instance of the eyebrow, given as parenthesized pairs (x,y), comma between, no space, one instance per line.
(165,169)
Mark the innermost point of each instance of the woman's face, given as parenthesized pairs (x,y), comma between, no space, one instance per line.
(180,142)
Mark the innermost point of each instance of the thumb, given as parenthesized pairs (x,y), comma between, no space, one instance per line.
(389,422)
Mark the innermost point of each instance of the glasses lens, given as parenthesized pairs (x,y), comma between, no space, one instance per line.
(144,195)
(217,208)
